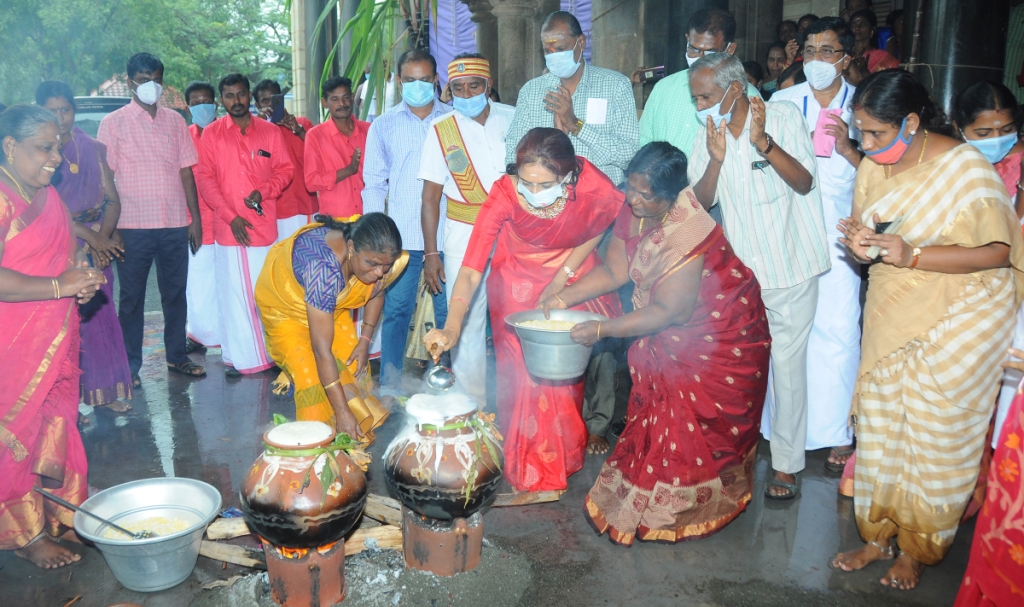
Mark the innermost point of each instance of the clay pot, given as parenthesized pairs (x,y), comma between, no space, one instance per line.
(428,468)
(279,509)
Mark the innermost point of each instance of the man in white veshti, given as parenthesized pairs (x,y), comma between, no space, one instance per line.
(463,155)
(833,350)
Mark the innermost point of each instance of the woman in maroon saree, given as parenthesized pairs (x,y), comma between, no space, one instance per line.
(683,466)
(545,437)
(39,440)
(86,185)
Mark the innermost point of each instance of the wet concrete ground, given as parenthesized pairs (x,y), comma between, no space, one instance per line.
(210,429)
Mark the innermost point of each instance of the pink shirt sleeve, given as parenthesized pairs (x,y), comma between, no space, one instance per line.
(282,169)
(189,154)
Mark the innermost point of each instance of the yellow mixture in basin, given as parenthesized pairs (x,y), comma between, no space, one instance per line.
(157,525)
(549,324)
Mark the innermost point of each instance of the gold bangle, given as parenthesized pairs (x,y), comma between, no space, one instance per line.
(332,384)
(56,288)
(560,301)
(598,330)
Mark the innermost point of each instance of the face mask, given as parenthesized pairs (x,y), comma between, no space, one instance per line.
(562,64)
(994,148)
(470,108)
(148,92)
(892,153)
(203,114)
(691,60)
(713,111)
(820,74)
(417,93)
(543,198)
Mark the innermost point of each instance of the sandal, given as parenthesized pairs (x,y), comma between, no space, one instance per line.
(136,380)
(774,482)
(836,467)
(188,368)
(192,345)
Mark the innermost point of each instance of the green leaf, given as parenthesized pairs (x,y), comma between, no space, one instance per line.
(280,419)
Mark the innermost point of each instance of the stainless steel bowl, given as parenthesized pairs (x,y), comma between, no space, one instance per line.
(160,562)
(552,354)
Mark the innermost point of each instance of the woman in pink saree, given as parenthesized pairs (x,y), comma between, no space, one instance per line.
(39,343)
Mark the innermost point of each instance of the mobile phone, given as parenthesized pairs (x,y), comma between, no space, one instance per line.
(650,74)
(801,38)
(884,227)
(276,108)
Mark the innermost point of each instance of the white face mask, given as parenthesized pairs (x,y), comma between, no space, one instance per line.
(148,92)
(820,74)
(543,198)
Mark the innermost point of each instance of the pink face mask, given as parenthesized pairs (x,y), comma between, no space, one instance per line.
(892,153)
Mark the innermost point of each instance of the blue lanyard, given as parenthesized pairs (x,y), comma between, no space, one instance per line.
(842,104)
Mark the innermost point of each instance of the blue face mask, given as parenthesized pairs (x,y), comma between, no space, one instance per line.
(203,114)
(417,93)
(470,108)
(994,148)
(563,64)
(713,112)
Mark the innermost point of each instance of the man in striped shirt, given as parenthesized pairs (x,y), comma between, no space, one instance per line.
(758,163)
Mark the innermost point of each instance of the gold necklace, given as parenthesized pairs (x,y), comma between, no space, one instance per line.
(640,231)
(887,170)
(24,196)
(72,166)
(547,212)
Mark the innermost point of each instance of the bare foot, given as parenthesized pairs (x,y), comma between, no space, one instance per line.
(119,406)
(597,445)
(47,554)
(70,536)
(904,574)
(860,558)
(782,492)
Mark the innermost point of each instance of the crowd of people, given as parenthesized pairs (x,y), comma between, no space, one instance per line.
(743,224)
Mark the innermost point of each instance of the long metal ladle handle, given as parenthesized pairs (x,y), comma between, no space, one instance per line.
(71,506)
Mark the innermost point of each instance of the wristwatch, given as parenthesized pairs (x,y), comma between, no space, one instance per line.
(568,272)
(917,257)
(576,129)
(767,150)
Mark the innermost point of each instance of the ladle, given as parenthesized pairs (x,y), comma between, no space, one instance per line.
(141,535)
(439,377)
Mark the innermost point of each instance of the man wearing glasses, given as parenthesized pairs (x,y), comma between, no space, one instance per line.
(833,348)
(670,114)
(334,150)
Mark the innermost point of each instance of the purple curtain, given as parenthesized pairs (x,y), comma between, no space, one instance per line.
(584,11)
(454,34)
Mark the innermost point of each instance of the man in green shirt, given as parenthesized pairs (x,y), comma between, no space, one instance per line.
(670,114)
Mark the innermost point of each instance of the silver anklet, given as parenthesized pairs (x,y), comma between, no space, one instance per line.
(887,551)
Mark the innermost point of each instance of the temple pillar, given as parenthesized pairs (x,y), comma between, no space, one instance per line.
(757,25)
(486,36)
(519,53)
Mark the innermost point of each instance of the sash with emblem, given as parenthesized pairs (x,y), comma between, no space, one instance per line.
(463,172)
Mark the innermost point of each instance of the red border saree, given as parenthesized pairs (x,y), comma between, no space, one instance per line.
(39,440)
(683,466)
(545,437)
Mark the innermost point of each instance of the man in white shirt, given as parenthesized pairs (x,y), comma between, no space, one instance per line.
(833,349)
(463,155)
(758,164)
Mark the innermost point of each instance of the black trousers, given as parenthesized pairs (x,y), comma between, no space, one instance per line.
(168,247)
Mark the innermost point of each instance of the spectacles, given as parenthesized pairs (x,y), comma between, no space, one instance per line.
(825,53)
(698,52)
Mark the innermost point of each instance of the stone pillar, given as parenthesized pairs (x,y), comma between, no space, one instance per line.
(957,44)
(486,36)
(757,24)
(520,57)
(308,60)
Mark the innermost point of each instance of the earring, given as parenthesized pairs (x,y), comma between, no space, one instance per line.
(10,158)
(912,133)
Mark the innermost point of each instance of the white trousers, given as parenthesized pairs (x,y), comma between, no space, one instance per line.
(790,316)
(203,324)
(289,225)
(242,341)
(833,356)
(469,357)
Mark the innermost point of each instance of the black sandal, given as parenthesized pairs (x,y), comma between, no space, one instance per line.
(189,368)
(846,452)
(136,380)
(791,489)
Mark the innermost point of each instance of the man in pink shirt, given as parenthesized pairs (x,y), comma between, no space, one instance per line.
(297,205)
(334,151)
(203,326)
(243,170)
(151,154)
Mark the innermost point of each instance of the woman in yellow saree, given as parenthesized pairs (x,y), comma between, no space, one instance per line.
(309,285)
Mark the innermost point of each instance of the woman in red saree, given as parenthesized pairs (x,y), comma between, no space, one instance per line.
(995,573)
(684,465)
(39,440)
(547,215)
